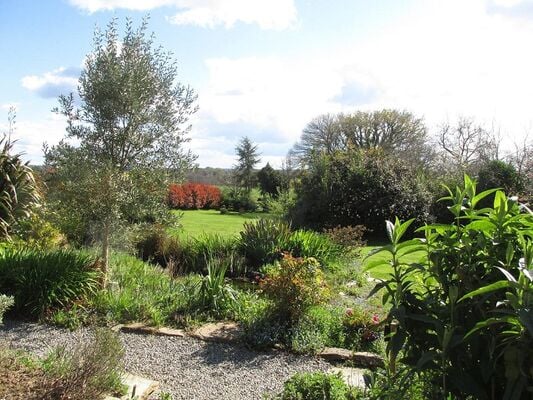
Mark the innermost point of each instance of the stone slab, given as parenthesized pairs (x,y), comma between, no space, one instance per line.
(351,376)
(140,327)
(360,359)
(367,360)
(138,386)
(335,354)
(224,332)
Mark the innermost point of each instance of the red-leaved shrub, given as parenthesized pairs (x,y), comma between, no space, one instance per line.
(193,196)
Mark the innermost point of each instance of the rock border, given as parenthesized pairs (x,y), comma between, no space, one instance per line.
(231,332)
(138,388)
(360,359)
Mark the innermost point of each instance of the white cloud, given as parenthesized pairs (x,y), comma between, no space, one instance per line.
(9,106)
(442,60)
(271,14)
(273,93)
(31,134)
(268,14)
(508,3)
(52,84)
(102,5)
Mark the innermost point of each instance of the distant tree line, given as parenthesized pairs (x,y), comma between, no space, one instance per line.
(366,167)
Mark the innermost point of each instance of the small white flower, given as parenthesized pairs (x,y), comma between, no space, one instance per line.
(522,267)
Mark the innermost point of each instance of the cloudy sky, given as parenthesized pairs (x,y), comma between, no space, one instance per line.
(264,68)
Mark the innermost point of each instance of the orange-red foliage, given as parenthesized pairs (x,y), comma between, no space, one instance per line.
(193,196)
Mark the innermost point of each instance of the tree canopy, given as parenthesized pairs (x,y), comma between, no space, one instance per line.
(390,130)
(125,136)
(269,180)
(247,159)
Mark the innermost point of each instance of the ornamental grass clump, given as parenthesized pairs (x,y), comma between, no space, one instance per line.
(304,243)
(263,241)
(41,280)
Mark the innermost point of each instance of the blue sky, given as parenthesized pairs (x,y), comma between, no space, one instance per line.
(264,68)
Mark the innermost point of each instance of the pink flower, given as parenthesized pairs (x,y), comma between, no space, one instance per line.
(375,319)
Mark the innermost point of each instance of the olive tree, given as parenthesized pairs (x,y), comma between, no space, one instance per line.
(124,135)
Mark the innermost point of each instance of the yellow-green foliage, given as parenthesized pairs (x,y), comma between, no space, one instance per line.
(295,284)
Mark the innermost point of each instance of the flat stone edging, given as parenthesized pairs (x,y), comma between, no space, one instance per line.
(360,359)
(138,388)
(222,332)
(231,332)
(139,327)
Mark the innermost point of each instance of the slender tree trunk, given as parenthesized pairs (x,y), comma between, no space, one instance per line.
(105,252)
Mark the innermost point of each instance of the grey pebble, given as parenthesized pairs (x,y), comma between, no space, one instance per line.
(185,367)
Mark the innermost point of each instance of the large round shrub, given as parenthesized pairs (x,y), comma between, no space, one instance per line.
(359,188)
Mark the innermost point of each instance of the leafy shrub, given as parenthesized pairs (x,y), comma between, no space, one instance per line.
(282,204)
(18,190)
(359,188)
(464,311)
(36,231)
(501,175)
(157,246)
(5,303)
(43,280)
(263,241)
(350,237)
(332,326)
(295,284)
(88,371)
(404,383)
(70,318)
(193,196)
(256,314)
(234,199)
(317,386)
(361,329)
(319,327)
(302,243)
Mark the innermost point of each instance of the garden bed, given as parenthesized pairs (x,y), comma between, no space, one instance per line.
(187,368)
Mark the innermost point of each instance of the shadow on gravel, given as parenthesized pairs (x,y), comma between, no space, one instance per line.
(218,353)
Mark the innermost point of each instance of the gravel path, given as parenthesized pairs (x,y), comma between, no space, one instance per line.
(185,367)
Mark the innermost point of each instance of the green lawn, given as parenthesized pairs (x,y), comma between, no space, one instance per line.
(385,256)
(198,222)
